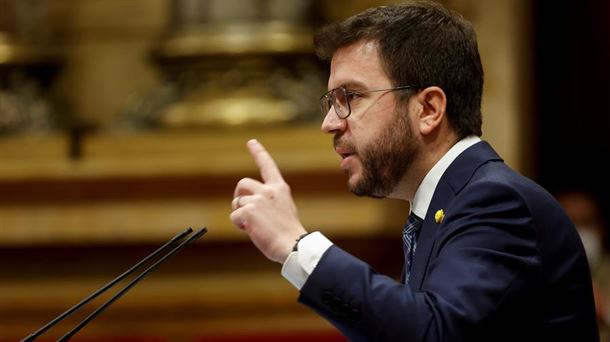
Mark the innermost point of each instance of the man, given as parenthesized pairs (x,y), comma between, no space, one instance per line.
(489,255)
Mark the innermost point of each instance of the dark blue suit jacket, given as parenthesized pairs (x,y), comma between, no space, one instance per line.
(505,264)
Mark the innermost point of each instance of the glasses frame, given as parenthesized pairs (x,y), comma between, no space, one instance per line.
(330,98)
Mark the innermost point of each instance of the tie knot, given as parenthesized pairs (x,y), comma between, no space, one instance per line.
(413,224)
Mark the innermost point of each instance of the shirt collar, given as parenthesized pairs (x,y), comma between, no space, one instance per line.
(423,195)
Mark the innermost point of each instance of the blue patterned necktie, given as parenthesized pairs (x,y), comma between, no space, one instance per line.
(409,238)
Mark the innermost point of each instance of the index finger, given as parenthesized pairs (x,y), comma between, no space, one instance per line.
(267,166)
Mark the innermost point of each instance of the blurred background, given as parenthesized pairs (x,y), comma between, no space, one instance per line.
(122,122)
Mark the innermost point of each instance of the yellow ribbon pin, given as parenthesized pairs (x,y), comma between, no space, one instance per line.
(439,216)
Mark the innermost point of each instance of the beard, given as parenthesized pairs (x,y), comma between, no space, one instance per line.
(386,159)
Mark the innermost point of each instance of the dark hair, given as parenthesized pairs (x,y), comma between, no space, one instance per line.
(420,43)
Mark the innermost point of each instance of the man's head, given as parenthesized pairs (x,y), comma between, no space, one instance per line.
(420,43)
(389,131)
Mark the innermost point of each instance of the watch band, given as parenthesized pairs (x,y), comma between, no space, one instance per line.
(296,245)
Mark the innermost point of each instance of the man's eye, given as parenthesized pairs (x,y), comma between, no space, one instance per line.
(352,95)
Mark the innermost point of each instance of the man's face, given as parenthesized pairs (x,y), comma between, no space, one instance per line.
(376,142)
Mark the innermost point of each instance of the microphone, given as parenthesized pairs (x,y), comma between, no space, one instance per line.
(174,241)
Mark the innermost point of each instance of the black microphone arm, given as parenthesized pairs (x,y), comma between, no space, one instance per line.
(175,241)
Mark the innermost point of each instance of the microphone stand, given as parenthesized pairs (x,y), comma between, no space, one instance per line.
(175,240)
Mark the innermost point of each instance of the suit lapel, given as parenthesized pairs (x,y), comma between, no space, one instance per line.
(427,235)
(451,183)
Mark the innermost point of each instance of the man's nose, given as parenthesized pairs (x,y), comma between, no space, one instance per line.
(332,123)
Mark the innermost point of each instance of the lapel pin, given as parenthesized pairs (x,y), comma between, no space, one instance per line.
(439,216)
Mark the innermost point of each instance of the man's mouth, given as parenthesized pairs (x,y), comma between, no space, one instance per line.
(343,152)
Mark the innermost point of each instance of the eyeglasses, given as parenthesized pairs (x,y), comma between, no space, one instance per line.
(339,99)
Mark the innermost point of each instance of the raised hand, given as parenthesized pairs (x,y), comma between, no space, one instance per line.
(265,210)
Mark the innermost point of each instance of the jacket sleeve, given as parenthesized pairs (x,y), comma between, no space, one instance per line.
(484,258)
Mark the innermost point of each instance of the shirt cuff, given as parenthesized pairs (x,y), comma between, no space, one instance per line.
(300,264)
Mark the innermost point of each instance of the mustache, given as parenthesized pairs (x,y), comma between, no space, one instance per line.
(340,141)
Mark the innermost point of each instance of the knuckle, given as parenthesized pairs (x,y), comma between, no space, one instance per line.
(234,217)
(248,210)
(284,187)
(242,183)
(269,192)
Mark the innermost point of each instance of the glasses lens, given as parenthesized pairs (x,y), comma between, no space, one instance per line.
(337,99)
(340,103)
(325,104)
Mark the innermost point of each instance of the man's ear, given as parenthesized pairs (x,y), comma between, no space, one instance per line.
(433,104)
